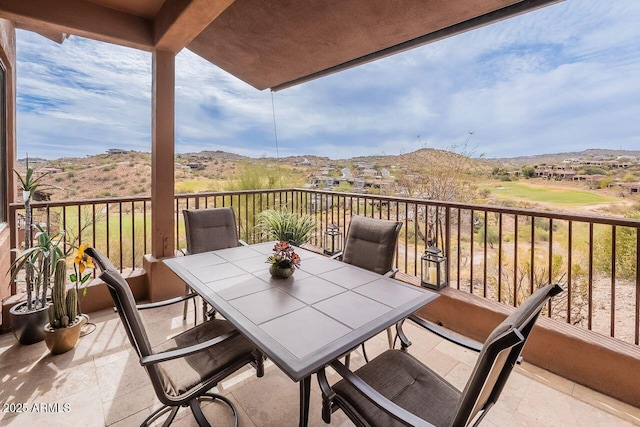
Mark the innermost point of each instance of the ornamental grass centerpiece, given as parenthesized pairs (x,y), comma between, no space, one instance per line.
(284,260)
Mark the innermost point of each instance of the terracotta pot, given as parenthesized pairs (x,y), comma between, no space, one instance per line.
(280,273)
(62,340)
(27,326)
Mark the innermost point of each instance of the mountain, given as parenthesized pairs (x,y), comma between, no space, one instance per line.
(120,173)
(592,153)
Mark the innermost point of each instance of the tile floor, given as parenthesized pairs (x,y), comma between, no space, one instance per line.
(101,383)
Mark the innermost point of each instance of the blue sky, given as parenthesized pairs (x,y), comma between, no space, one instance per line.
(563,78)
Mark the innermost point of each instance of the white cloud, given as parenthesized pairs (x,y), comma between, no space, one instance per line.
(563,77)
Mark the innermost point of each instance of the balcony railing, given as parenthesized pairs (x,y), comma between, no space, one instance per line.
(501,254)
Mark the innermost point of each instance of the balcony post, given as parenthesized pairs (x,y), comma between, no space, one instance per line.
(162,154)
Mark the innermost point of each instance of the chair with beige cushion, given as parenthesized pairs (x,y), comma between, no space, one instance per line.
(396,389)
(209,230)
(184,368)
(371,244)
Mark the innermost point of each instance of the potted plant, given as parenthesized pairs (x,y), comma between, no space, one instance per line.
(278,224)
(284,261)
(28,318)
(65,322)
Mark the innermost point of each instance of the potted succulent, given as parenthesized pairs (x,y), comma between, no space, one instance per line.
(65,322)
(28,317)
(36,261)
(278,224)
(284,261)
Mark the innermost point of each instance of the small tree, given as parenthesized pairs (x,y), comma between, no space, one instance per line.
(528,171)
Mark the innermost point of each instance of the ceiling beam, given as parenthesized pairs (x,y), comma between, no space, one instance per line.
(81,18)
(180,21)
(51,35)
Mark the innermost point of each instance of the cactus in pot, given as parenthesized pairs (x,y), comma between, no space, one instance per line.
(65,322)
(63,310)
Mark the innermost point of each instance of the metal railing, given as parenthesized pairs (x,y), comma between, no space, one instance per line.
(502,254)
(119,227)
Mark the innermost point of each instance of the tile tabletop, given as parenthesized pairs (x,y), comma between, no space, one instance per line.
(304,322)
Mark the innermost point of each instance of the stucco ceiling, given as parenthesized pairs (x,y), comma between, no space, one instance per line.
(143,8)
(268,44)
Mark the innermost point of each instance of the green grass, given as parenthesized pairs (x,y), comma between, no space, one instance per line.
(198,186)
(546,194)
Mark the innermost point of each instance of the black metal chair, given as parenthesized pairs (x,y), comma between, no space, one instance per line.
(184,368)
(208,230)
(397,389)
(370,243)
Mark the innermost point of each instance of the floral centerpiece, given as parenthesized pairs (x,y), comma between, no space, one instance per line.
(284,260)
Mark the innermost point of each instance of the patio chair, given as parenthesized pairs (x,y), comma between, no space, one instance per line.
(397,389)
(209,230)
(370,244)
(184,368)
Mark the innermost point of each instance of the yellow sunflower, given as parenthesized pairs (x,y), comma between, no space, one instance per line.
(83,260)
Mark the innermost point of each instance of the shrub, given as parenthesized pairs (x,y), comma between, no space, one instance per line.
(278,224)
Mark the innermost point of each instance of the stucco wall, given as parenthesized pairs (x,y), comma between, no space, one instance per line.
(5,290)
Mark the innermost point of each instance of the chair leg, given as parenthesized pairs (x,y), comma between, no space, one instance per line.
(186,304)
(197,411)
(159,412)
(364,353)
(259,363)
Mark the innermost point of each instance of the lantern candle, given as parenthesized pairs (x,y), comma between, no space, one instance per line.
(433,275)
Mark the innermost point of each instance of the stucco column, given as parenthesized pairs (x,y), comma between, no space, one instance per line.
(162,154)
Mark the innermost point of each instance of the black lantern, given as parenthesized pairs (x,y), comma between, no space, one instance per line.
(332,240)
(434,266)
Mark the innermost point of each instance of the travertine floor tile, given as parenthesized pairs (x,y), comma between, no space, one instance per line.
(80,409)
(104,384)
(127,403)
(606,403)
(121,376)
(545,377)
(550,407)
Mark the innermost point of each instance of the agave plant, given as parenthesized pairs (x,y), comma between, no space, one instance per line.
(281,225)
(37,261)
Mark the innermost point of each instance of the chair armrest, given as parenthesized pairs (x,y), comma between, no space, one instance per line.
(185,351)
(391,273)
(242,242)
(441,332)
(166,302)
(371,394)
(456,339)
(337,256)
(184,251)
